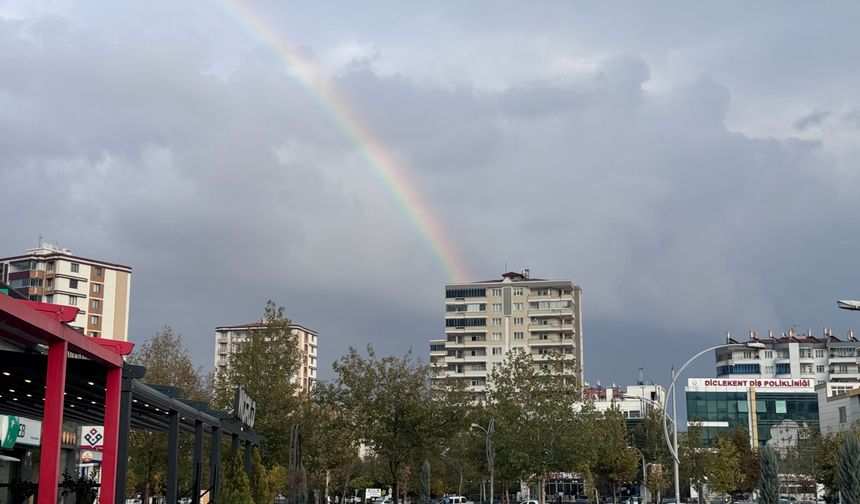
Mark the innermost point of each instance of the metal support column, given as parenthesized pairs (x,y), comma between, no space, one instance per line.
(234,445)
(129,372)
(248,458)
(111,435)
(52,423)
(173,458)
(214,464)
(198,460)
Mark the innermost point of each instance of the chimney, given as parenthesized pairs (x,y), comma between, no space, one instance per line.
(770,333)
(526,273)
(728,336)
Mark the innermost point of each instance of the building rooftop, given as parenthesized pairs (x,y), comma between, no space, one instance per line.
(259,324)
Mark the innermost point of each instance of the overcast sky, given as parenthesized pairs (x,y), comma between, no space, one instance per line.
(693,166)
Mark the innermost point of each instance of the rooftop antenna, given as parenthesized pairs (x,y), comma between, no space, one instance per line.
(641,376)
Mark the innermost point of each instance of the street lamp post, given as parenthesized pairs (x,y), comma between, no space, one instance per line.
(491,454)
(644,470)
(673,443)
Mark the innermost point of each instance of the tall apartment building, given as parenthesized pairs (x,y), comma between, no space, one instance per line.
(100,290)
(822,359)
(485,320)
(228,337)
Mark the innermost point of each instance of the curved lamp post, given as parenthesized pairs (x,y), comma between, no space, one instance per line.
(491,454)
(673,443)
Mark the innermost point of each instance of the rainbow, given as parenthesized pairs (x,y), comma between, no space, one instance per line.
(382,163)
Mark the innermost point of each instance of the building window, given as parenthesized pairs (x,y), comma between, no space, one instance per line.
(518,321)
(50,267)
(94,334)
(464,293)
(543,351)
(98,271)
(97,287)
(73,284)
(49,299)
(843,415)
(543,336)
(497,307)
(463,322)
(768,354)
(783,368)
(497,321)
(497,336)
(73,300)
(518,335)
(497,351)
(518,306)
(96,304)
(94,319)
(543,292)
(806,368)
(76,268)
(768,369)
(819,369)
(518,291)
(497,292)
(819,354)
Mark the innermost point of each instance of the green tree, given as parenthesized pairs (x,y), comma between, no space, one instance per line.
(848,468)
(769,484)
(235,488)
(534,406)
(391,403)
(616,462)
(329,445)
(749,460)
(648,436)
(264,365)
(658,480)
(167,362)
(695,461)
(261,490)
(726,476)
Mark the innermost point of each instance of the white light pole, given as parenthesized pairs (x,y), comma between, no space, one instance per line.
(673,444)
(491,454)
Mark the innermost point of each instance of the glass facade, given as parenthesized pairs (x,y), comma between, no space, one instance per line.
(779,416)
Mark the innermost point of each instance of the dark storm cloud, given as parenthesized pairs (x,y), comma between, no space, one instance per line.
(814,118)
(223,186)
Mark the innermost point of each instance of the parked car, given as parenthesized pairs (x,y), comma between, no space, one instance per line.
(529,502)
(456,499)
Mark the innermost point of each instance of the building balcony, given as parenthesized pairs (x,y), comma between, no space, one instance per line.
(551,312)
(843,359)
(549,342)
(463,330)
(550,328)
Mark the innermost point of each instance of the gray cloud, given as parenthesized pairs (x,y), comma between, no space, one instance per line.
(812,119)
(223,186)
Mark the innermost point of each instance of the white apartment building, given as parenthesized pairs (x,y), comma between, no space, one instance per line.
(485,320)
(634,402)
(100,290)
(838,407)
(228,337)
(823,359)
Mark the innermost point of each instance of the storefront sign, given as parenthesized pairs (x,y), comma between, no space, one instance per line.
(29,432)
(8,431)
(92,436)
(246,408)
(705,383)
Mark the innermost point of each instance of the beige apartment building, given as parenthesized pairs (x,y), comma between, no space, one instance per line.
(228,337)
(100,290)
(485,320)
